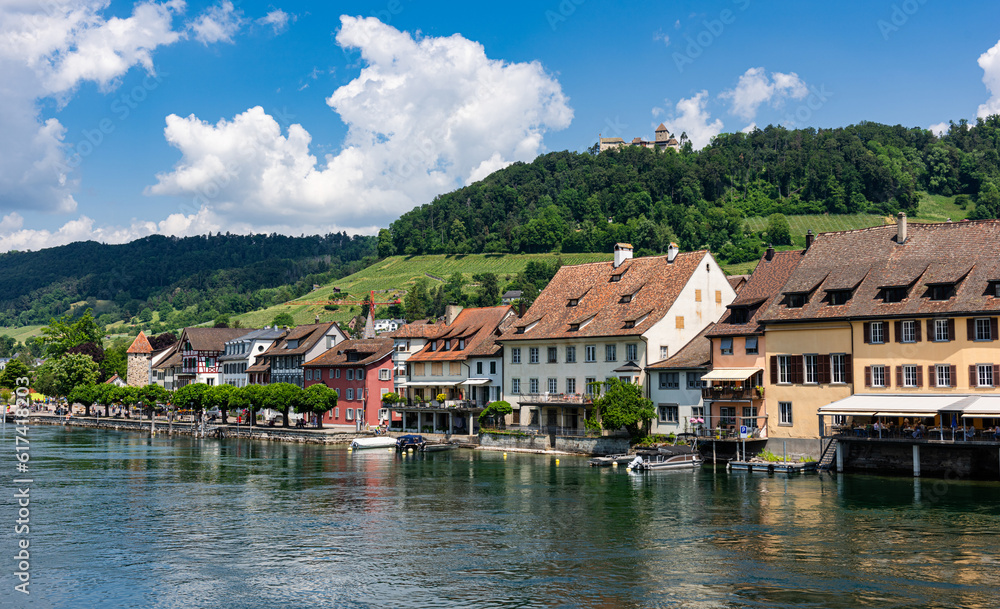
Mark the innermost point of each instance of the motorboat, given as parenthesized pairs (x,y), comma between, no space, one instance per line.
(376,442)
(611,460)
(658,462)
(410,441)
(433,448)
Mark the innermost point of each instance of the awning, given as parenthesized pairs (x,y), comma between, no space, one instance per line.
(894,405)
(430,383)
(476,382)
(628,367)
(729,374)
(982,406)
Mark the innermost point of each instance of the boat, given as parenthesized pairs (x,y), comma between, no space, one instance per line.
(376,442)
(680,461)
(433,448)
(610,460)
(410,441)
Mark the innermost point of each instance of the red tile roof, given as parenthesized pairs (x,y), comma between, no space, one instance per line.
(696,354)
(417,329)
(210,339)
(140,344)
(477,326)
(652,284)
(307,337)
(764,285)
(369,350)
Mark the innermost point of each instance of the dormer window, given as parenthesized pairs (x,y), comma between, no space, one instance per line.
(625,299)
(994,289)
(573,302)
(616,278)
(739,315)
(447,345)
(461,344)
(520,330)
(893,294)
(433,345)
(629,324)
(839,297)
(796,301)
(574,327)
(941,291)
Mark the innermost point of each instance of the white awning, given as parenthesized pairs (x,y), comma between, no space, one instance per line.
(894,405)
(476,382)
(729,374)
(430,383)
(982,406)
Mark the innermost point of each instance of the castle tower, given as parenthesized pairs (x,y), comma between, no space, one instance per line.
(662,135)
(140,361)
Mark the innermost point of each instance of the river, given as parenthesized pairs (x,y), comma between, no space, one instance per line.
(124,520)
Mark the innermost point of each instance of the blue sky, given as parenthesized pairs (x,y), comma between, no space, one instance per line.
(126,118)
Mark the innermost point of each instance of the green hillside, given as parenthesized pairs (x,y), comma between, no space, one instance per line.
(392,277)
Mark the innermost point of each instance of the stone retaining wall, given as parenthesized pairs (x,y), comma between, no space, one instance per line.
(949,460)
(544,443)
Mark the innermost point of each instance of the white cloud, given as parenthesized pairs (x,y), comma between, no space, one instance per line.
(749,128)
(217,24)
(692,118)
(426,115)
(990,63)
(278,20)
(659,35)
(755,88)
(46,50)
(939,129)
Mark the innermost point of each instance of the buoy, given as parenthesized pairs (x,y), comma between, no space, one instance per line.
(614,464)
(505,456)
(557,461)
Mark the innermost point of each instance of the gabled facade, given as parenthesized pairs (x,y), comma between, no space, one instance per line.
(284,360)
(605,320)
(407,340)
(675,388)
(195,357)
(244,352)
(361,372)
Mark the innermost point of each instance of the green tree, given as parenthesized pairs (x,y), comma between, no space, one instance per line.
(283,319)
(622,405)
(104,395)
(316,399)
(488,294)
(282,397)
(85,395)
(495,411)
(153,394)
(190,397)
(126,396)
(219,397)
(385,246)
(453,289)
(778,230)
(416,301)
(251,397)
(15,369)
(146,315)
(75,370)
(62,334)
(987,203)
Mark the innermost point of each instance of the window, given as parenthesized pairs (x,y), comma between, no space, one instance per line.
(908,332)
(697,295)
(349,412)
(838,368)
(570,355)
(943,375)
(727,415)
(625,299)
(877,332)
(591,383)
(479,368)
(983,330)
(785,369)
(571,385)
(796,301)
(839,297)
(894,294)
(751,345)
(533,355)
(610,353)
(360,374)
(384,374)
(942,291)
(350,396)
(350,374)
(309,374)
(553,355)
(669,380)
(590,353)
(461,344)
(749,416)
(447,345)
(553,386)
(616,278)
(629,324)
(785,413)
(336,373)
(910,376)
(532,386)
(631,352)
(515,356)
(573,302)
(878,376)
(812,368)
(984,374)
(664,352)
(336,413)
(679,322)
(515,386)
(694,380)
(726,346)
(943,330)
(493,367)
(669,413)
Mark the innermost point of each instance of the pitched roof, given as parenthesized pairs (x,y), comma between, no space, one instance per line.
(737,281)
(140,344)
(210,339)
(651,285)
(867,260)
(696,354)
(417,329)
(662,127)
(369,350)
(304,337)
(479,327)
(764,285)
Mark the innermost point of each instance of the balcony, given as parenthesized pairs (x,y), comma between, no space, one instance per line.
(731,394)
(558,399)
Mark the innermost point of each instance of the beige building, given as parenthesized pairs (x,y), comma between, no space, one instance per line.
(662,142)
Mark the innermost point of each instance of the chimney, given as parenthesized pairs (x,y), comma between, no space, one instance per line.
(317,318)
(672,250)
(450,313)
(809,238)
(769,254)
(520,309)
(623,252)
(901,228)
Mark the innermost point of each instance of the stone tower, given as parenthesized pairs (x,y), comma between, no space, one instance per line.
(140,361)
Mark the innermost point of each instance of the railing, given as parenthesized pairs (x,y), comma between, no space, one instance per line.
(731,394)
(435,405)
(947,434)
(581,399)
(547,430)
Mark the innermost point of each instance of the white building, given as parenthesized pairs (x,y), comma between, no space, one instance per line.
(243,352)
(675,387)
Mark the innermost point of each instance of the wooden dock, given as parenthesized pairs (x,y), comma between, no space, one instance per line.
(772,467)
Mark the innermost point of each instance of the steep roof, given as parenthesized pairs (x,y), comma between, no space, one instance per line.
(764,285)
(737,281)
(479,327)
(696,354)
(417,329)
(140,344)
(866,261)
(649,284)
(303,337)
(369,350)
(210,339)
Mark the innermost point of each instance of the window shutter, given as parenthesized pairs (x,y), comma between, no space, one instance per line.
(931,377)
(996,374)
(930,329)
(868,376)
(973,381)
(823,361)
(797,369)
(916,332)
(993,328)
(887,375)
(898,331)
(951,329)
(954,375)
(849,370)
(774,369)
(920,376)
(868,332)
(970,325)
(899,376)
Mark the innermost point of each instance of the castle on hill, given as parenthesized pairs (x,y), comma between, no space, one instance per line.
(663,141)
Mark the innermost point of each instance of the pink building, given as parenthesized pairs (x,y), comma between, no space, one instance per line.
(361,372)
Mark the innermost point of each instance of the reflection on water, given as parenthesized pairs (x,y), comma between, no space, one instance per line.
(127,521)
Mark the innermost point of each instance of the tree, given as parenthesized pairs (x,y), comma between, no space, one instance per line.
(488,294)
(283,319)
(385,246)
(495,411)
(104,395)
(778,230)
(316,399)
(62,334)
(622,405)
(126,396)
(85,395)
(282,397)
(251,397)
(75,370)
(219,397)
(152,394)
(190,397)
(15,369)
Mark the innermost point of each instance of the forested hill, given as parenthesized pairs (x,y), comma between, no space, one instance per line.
(586,202)
(221,274)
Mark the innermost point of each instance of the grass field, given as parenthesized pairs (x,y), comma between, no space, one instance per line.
(393,277)
(23,333)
